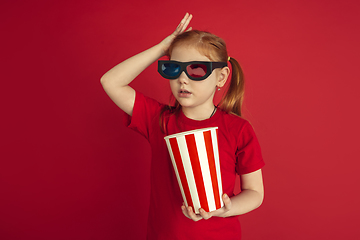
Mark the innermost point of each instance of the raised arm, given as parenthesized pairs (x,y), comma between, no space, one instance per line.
(116,81)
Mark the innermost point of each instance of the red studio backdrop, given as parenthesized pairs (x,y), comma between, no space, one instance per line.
(70,169)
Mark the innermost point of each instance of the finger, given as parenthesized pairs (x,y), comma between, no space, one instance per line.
(227,202)
(189,29)
(205,215)
(183,209)
(185,18)
(183,22)
(192,214)
(186,22)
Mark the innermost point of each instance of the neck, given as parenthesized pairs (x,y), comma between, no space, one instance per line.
(199,114)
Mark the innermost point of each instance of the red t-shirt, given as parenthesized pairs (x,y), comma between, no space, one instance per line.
(239,153)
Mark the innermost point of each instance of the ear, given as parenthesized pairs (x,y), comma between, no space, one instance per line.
(223,76)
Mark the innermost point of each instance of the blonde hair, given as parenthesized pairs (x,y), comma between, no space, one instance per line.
(214,48)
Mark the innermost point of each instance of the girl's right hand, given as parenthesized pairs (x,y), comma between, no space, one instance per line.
(180,29)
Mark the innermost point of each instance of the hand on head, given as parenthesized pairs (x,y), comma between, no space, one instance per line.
(179,30)
(183,25)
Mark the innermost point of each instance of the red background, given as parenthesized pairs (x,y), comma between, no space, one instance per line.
(69,168)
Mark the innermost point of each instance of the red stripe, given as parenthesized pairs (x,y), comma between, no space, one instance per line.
(195,163)
(212,166)
(181,171)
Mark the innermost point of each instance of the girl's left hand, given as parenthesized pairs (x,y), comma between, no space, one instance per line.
(221,212)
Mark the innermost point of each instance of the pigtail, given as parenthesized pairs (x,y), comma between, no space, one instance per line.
(233,99)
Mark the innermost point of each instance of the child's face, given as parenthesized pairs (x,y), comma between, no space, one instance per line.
(189,93)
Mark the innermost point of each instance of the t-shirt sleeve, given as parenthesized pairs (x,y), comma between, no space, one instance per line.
(248,155)
(146,110)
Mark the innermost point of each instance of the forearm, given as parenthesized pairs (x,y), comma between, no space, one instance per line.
(244,202)
(126,71)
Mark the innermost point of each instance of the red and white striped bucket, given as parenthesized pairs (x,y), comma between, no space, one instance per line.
(195,157)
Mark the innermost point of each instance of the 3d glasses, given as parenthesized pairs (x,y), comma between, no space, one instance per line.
(195,70)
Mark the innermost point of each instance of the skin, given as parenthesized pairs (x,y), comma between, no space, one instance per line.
(198,105)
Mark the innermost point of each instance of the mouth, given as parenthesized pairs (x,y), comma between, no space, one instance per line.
(184,91)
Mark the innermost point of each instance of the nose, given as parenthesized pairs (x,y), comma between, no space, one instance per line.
(183,78)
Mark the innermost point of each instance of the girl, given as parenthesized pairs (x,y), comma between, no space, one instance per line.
(193,85)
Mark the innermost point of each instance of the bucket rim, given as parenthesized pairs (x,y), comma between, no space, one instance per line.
(180,134)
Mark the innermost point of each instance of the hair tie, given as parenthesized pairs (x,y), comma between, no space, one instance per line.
(228,58)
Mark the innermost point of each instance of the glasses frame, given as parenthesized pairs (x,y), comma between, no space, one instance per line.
(210,66)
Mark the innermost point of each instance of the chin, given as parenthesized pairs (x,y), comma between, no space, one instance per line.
(184,103)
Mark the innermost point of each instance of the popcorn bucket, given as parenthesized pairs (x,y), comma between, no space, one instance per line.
(195,158)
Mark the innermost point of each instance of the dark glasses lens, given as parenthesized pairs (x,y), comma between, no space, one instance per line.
(171,69)
(196,70)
